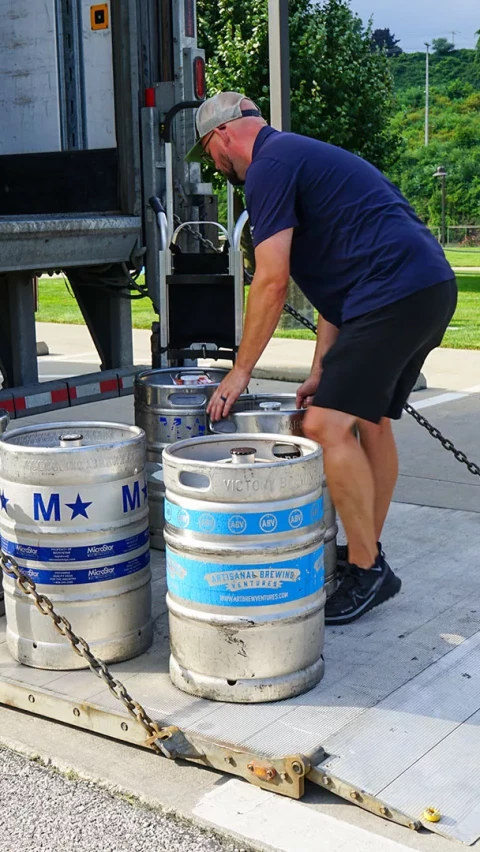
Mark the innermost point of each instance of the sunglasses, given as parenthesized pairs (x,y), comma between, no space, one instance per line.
(205,154)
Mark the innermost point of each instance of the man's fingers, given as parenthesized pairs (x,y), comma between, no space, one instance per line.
(218,406)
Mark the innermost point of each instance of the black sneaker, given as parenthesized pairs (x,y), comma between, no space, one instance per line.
(342,557)
(361,590)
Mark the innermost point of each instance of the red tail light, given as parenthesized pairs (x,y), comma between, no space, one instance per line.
(199,78)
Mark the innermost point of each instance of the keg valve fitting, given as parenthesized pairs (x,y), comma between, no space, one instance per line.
(243,455)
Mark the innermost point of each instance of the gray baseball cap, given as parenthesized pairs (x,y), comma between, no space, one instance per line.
(222,108)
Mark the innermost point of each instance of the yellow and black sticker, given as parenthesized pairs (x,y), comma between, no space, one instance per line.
(99,16)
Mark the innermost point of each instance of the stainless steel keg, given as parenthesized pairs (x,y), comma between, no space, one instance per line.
(74,515)
(245,573)
(170,405)
(277,413)
(4,420)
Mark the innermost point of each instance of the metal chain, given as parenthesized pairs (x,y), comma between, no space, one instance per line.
(445,442)
(289,309)
(299,317)
(82,649)
(206,243)
(432,430)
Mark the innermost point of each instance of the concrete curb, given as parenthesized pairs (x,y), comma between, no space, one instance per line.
(284,373)
(42,349)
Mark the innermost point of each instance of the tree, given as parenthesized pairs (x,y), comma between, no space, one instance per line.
(385,40)
(341,91)
(442,46)
(477,48)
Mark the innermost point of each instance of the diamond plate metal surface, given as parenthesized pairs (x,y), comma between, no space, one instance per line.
(403,750)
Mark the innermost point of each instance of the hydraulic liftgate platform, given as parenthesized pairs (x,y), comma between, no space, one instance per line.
(394,726)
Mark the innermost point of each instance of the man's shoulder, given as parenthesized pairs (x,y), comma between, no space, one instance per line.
(280,145)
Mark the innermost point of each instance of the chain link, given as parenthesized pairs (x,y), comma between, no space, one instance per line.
(82,649)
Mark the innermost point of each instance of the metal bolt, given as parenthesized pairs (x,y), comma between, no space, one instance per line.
(354,795)
(124,726)
(76,711)
(326,780)
(283,776)
(384,811)
(412,826)
(270,774)
(31,698)
(230,760)
(250,767)
(297,767)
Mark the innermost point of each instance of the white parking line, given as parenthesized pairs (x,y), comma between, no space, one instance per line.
(446,397)
(284,824)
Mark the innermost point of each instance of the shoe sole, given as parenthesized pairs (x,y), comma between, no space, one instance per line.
(382,596)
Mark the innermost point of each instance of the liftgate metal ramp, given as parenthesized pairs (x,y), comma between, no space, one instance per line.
(394,726)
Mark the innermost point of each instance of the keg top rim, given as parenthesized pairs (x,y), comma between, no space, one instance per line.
(8,441)
(239,440)
(256,399)
(153,378)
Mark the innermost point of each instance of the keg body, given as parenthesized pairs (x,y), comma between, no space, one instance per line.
(245,570)
(277,413)
(74,515)
(170,405)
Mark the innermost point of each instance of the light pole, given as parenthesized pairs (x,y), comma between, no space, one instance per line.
(279,51)
(426,91)
(442,174)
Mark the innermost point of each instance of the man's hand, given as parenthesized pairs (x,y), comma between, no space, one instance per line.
(227,393)
(306,391)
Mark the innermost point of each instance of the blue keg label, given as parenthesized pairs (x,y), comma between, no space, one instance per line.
(85,576)
(176,427)
(203,582)
(75,554)
(243,523)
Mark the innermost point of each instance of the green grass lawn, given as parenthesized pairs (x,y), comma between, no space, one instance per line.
(463,257)
(57,305)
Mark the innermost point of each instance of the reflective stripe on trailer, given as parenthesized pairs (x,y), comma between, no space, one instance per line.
(75,390)
(38,398)
(93,389)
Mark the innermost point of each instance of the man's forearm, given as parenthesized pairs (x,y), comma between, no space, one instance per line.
(327,334)
(265,304)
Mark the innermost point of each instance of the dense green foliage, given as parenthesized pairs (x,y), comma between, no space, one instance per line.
(454,134)
(457,67)
(341,90)
(385,40)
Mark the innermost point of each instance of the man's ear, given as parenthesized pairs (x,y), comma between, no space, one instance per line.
(224,132)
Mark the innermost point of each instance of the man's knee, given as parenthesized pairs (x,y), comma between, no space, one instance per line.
(326,426)
(371,431)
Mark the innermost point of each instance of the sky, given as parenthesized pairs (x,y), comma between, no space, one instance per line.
(417,21)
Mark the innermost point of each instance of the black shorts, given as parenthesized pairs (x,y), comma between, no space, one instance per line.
(374,363)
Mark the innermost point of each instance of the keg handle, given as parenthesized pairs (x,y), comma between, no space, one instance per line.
(184,400)
(194,480)
(213,426)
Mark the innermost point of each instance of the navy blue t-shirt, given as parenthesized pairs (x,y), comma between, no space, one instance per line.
(357,243)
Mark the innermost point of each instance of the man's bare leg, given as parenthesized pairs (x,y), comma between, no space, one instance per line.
(350,480)
(380,449)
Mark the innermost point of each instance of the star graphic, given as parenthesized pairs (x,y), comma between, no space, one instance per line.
(3,500)
(145,492)
(78,508)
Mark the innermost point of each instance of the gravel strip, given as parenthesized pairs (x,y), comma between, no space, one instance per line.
(43,810)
